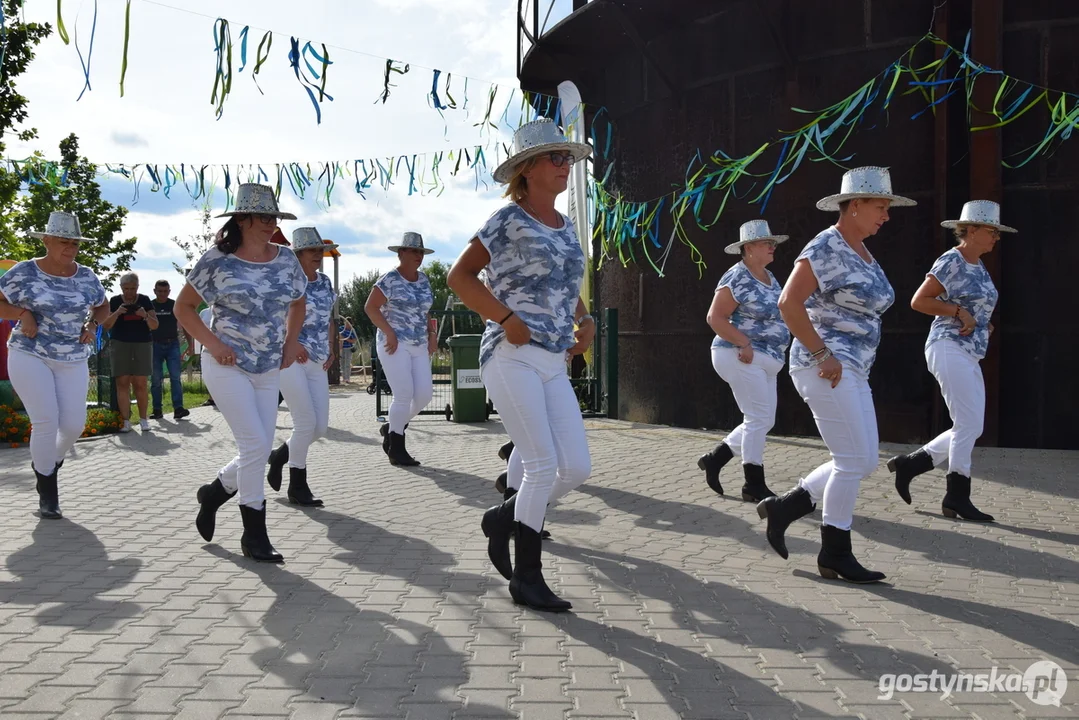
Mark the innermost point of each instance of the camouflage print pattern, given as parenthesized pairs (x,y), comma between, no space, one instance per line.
(970,287)
(315,335)
(60,305)
(250,303)
(845,308)
(407,307)
(535,271)
(757,314)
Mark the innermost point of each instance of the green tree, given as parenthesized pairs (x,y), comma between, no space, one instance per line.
(195,245)
(353,297)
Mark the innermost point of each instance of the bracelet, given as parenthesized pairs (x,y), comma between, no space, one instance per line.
(503,320)
(820,360)
(957,309)
(820,352)
(583,318)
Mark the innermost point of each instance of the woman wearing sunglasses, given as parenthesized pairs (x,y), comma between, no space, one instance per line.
(748,353)
(961,297)
(534,266)
(256,290)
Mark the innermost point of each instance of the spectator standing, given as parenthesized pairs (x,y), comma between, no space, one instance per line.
(131,323)
(166,350)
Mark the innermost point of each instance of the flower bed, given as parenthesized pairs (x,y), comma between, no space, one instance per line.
(15,427)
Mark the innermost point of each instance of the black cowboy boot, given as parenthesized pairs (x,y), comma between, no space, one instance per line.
(48,494)
(278,458)
(500,482)
(384,431)
(510,492)
(754,489)
(398,454)
(908,467)
(527,586)
(255,543)
(780,512)
(497,526)
(835,559)
(210,497)
(713,462)
(298,491)
(505,451)
(957,500)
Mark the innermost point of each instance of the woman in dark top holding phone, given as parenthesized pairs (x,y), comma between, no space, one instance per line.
(130,324)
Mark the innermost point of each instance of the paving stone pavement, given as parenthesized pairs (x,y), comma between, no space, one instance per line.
(388,608)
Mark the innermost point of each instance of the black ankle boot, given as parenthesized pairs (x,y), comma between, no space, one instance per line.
(527,586)
(957,500)
(384,431)
(497,527)
(505,451)
(500,483)
(755,489)
(210,497)
(713,462)
(510,492)
(908,467)
(835,559)
(298,491)
(278,458)
(398,454)
(780,512)
(48,494)
(255,543)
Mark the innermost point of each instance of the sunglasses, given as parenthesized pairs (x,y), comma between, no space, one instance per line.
(558,159)
(266,219)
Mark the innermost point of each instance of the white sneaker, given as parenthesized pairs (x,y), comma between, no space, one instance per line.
(144,425)
(127,427)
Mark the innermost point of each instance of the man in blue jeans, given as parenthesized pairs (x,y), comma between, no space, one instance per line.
(167,351)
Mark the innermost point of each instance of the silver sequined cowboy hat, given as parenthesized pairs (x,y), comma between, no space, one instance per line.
(534,139)
(865,182)
(62,225)
(305,238)
(255,199)
(411,241)
(979,212)
(753,231)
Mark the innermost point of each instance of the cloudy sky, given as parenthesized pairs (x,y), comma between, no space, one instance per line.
(166,117)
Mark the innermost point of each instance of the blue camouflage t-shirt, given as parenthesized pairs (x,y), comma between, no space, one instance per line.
(60,305)
(315,334)
(757,314)
(407,306)
(845,308)
(250,303)
(535,271)
(970,287)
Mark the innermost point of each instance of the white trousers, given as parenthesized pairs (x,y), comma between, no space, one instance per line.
(539,409)
(847,421)
(307,392)
(346,365)
(54,395)
(249,403)
(960,379)
(408,371)
(754,388)
(515,470)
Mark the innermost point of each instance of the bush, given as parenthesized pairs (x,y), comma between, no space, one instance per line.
(101,421)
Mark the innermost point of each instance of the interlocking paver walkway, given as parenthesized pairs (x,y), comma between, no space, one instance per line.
(388,608)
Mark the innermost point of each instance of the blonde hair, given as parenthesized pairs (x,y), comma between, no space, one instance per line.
(517,188)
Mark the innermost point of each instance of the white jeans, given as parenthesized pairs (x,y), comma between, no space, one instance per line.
(408,371)
(346,365)
(754,388)
(960,379)
(307,393)
(847,421)
(515,470)
(54,394)
(536,402)
(249,403)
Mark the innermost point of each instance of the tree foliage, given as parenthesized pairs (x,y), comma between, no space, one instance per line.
(195,246)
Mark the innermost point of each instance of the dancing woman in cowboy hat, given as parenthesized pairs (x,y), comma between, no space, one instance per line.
(256,290)
(832,304)
(961,297)
(534,267)
(748,353)
(58,305)
(399,305)
(305,385)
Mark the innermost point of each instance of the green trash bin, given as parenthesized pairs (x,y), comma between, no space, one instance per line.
(469,395)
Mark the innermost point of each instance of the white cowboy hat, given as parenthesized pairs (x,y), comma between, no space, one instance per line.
(62,225)
(753,231)
(411,241)
(534,139)
(305,238)
(865,182)
(979,212)
(255,199)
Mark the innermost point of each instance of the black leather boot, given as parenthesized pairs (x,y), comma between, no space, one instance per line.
(210,497)
(957,500)
(298,491)
(713,462)
(510,492)
(755,489)
(908,467)
(398,454)
(835,559)
(278,458)
(48,494)
(255,543)
(780,512)
(384,431)
(497,526)
(500,483)
(505,451)
(527,586)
